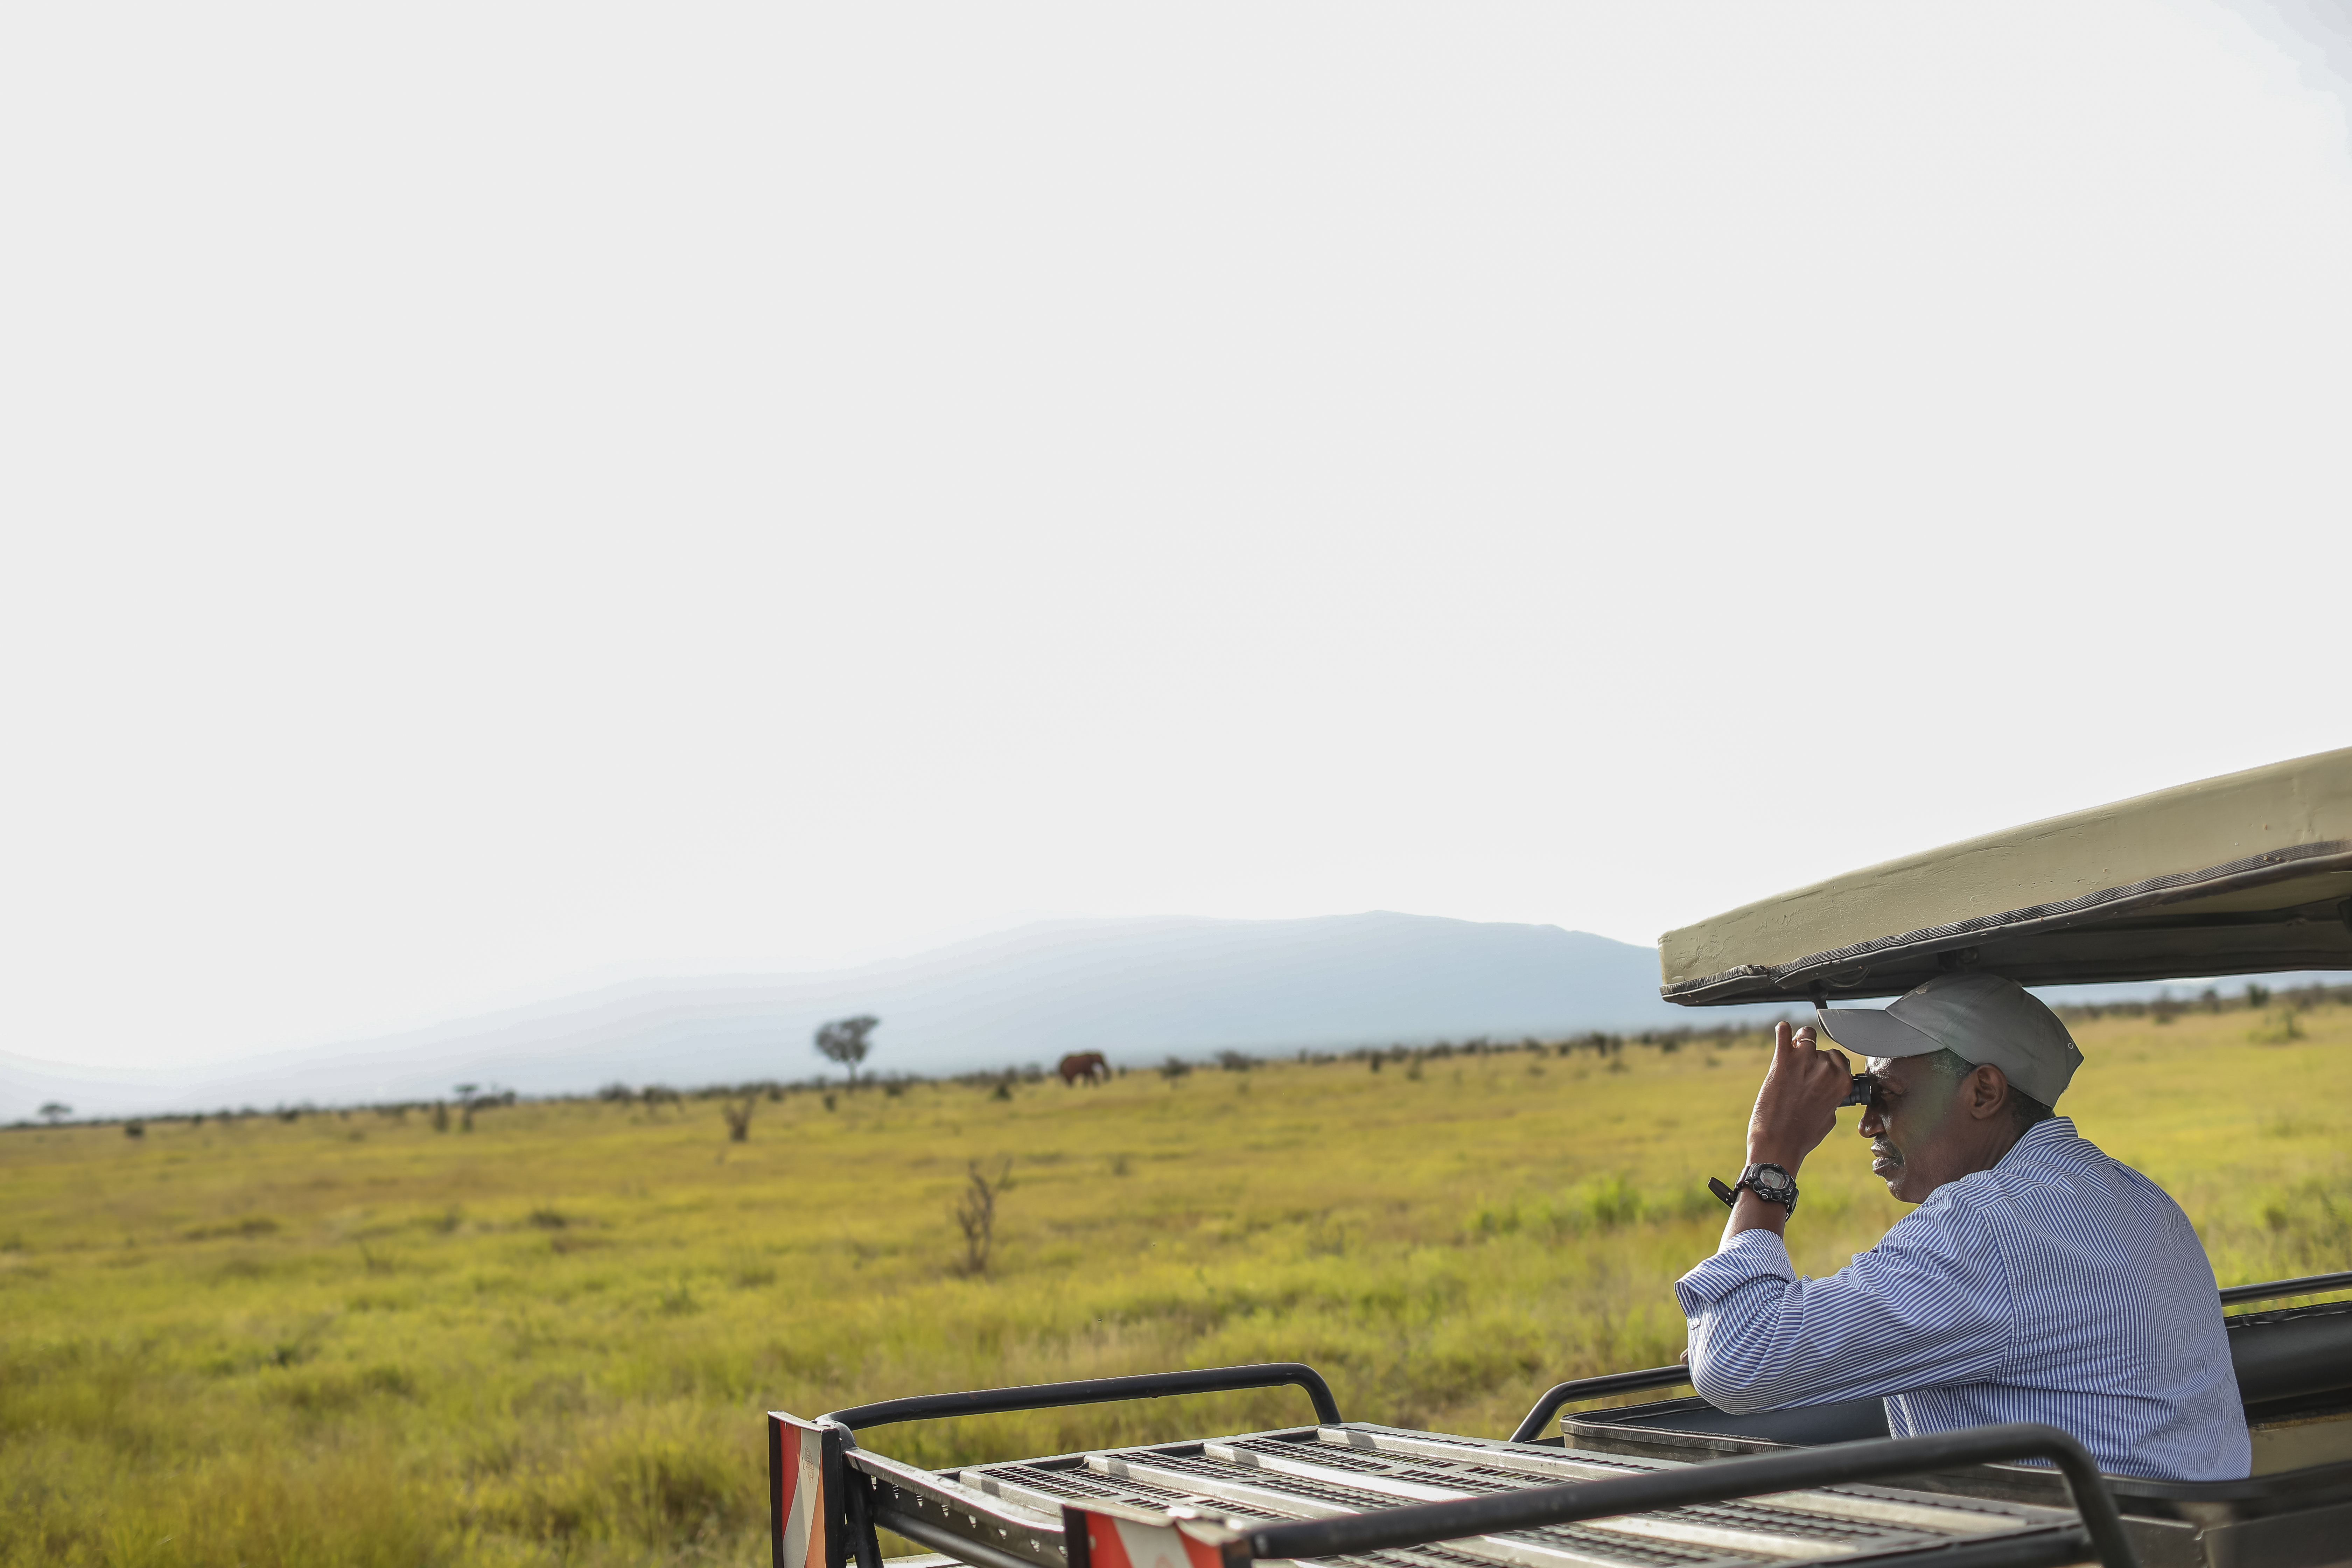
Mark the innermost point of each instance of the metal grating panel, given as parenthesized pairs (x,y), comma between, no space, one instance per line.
(1942,1514)
(1756,1527)
(1325,1472)
(1735,1530)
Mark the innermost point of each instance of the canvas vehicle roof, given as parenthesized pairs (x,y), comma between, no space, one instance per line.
(2249,873)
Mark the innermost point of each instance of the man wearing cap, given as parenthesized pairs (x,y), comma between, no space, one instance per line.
(2039,1280)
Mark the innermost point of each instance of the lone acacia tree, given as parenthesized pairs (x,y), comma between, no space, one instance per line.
(844,1041)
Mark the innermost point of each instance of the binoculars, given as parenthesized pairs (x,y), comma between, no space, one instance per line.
(1864,1090)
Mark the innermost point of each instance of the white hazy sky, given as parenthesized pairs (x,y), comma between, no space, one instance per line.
(500,495)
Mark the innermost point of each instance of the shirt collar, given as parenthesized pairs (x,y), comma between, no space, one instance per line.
(2042,1137)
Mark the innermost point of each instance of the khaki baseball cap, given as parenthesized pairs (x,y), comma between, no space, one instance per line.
(1983,1019)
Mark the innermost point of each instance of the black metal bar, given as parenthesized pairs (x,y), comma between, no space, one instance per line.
(1539,1420)
(776,1489)
(1722,1481)
(939,1537)
(2310,1285)
(857,1505)
(1095,1391)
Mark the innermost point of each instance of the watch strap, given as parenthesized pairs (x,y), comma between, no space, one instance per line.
(1730,1194)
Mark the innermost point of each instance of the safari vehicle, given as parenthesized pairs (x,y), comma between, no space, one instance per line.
(2247,874)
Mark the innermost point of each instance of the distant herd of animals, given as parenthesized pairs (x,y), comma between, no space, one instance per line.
(1083,1067)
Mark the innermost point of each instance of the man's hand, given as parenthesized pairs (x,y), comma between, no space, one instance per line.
(1796,1107)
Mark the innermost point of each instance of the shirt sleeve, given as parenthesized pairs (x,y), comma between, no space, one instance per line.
(1930,1306)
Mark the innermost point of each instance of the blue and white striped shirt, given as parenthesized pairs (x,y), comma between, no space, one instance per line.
(2059,1286)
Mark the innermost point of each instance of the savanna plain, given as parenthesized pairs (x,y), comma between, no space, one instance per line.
(355,1339)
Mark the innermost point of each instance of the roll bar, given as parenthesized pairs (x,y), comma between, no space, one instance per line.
(1559,1394)
(1094,1391)
(2309,1285)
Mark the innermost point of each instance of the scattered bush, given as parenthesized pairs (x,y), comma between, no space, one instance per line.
(389,1379)
(1608,1204)
(2277,1028)
(244,1229)
(976,1214)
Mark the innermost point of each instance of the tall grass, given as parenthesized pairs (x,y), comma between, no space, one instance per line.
(359,1341)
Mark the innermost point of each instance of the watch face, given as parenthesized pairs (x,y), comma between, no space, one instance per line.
(1771,1184)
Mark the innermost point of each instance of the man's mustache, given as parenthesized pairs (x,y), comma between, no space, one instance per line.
(1886,1152)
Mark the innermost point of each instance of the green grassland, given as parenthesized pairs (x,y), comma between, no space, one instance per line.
(356,1340)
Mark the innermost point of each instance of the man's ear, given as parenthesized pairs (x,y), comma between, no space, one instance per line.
(1988,1091)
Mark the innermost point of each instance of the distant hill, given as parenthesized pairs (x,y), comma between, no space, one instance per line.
(1138,990)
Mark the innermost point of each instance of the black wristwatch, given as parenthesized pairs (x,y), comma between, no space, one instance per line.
(1769,1181)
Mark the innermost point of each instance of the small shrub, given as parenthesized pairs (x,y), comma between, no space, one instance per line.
(1495,1219)
(2278,1028)
(249,1227)
(975,1214)
(1613,1202)
(389,1379)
